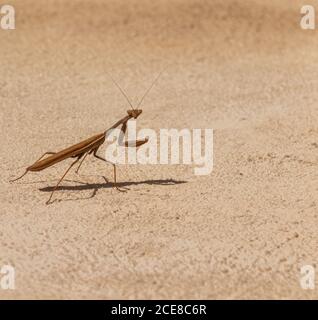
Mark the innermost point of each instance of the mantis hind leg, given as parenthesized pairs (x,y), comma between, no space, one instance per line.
(44,154)
(77,170)
(69,168)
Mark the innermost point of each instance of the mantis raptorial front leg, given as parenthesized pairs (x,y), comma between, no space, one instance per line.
(136,143)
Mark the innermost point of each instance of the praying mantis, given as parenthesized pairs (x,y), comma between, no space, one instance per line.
(91,145)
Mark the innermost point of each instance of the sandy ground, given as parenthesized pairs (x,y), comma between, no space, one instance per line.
(243,68)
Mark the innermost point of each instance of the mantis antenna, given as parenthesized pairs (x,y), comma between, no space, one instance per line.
(148,90)
(121,90)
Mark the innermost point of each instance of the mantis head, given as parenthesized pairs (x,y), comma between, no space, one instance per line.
(134,113)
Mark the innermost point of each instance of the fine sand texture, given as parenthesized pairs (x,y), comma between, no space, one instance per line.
(244,68)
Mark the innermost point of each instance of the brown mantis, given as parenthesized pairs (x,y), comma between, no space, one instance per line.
(90,145)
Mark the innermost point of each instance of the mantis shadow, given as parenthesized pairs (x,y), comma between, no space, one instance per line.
(97,186)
